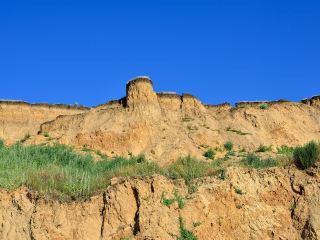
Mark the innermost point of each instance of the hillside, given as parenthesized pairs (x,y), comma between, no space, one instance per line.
(163,126)
(153,166)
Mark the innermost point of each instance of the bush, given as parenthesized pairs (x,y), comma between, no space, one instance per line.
(264,106)
(263,148)
(228,146)
(254,161)
(209,154)
(306,156)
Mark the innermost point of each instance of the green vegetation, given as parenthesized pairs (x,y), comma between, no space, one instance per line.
(166,201)
(179,200)
(209,154)
(285,150)
(306,156)
(238,191)
(264,106)
(58,171)
(228,146)
(239,132)
(196,224)
(46,134)
(263,148)
(184,233)
(254,161)
(25,138)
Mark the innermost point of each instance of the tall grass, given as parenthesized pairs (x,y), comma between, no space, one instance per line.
(60,172)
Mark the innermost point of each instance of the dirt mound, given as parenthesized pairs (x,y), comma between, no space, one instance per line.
(247,204)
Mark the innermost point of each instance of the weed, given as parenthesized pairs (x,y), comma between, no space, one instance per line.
(25,138)
(228,146)
(285,150)
(238,191)
(196,224)
(264,106)
(239,132)
(166,201)
(209,154)
(254,161)
(306,156)
(263,148)
(46,134)
(184,233)
(179,200)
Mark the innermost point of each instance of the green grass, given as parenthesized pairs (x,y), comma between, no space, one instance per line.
(59,172)
(264,106)
(209,154)
(46,134)
(184,233)
(285,150)
(228,146)
(254,161)
(166,201)
(179,200)
(307,155)
(263,148)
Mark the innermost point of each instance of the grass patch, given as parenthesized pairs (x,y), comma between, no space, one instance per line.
(264,106)
(209,154)
(166,201)
(305,156)
(228,146)
(184,233)
(46,134)
(254,161)
(263,148)
(285,150)
(58,171)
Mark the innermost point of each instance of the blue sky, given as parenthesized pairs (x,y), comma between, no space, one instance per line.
(85,51)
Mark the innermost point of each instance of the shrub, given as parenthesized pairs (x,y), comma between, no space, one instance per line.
(238,191)
(264,106)
(184,233)
(306,156)
(254,161)
(263,148)
(209,154)
(228,146)
(46,134)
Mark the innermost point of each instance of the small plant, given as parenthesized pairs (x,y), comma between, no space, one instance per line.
(285,150)
(209,154)
(228,146)
(46,134)
(179,200)
(293,206)
(25,138)
(254,161)
(196,224)
(166,201)
(184,233)
(263,148)
(239,132)
(238,191)
(264,106)
(306,156)
(222,174)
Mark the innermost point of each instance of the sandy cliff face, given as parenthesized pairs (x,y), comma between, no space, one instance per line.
(19,118)
(165,126)
(274,204)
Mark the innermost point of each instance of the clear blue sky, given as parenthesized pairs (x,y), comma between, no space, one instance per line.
(84,51)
